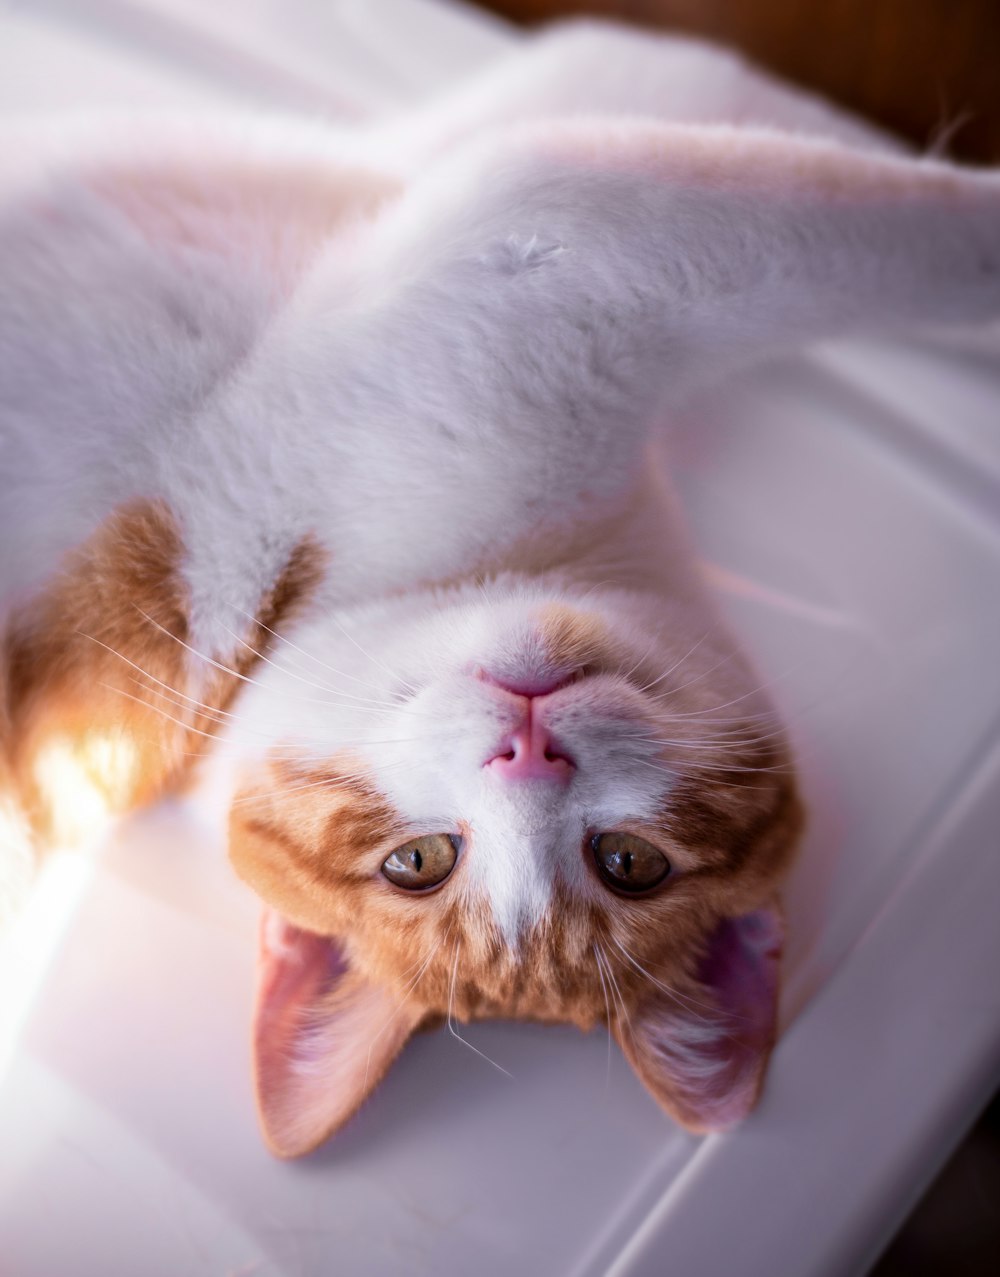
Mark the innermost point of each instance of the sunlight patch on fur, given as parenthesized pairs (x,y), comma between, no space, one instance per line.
(82,781)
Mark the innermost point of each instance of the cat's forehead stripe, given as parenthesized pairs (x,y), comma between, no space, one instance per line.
(301,835)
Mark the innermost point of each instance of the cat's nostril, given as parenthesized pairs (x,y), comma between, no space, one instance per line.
(532,755)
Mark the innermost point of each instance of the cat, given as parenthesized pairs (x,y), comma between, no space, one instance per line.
(330,456)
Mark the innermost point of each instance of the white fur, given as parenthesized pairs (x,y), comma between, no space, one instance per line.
(447,367)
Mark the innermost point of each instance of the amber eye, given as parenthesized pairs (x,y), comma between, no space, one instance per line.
(627,863)
(422,863)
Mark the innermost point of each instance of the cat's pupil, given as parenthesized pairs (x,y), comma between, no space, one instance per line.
(626,864)
(417,860)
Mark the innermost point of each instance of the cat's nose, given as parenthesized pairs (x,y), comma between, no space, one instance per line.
(530,753)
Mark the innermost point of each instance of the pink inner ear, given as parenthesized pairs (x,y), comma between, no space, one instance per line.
(323,1036)
(294,970)
(704,1056)
(741,968)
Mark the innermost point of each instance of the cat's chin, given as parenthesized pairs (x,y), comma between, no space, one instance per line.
(528,633)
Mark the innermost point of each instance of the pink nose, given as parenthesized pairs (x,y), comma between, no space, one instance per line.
(531,754)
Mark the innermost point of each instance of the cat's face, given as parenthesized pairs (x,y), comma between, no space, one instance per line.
(524,802)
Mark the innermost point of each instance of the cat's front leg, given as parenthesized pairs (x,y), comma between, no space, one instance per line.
(507,334)
(111,692)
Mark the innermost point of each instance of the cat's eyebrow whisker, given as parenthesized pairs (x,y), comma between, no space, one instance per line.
(407,992)
(451,1028)
(617,992)
(607,1012)
(717,1023)
(481,586)
(621,1015)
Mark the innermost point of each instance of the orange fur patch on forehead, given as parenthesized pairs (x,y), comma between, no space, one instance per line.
(303,838)
(98,684)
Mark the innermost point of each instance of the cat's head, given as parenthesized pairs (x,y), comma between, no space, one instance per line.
(512,801)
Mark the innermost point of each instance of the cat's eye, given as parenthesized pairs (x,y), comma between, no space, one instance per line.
(629,864)
(423,863)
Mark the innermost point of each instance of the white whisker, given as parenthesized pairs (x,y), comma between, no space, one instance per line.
(678,663)
(624,1023)
(308,655)
(607,1011)
(667,989)
(407,991)
(451,1028)
(374,659)
(674,691)
(319,687)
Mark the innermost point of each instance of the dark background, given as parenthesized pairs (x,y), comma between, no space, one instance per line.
(928,70)
(923,68)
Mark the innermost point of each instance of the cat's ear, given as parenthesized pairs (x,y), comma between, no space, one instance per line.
(323,1036)
(702,1054)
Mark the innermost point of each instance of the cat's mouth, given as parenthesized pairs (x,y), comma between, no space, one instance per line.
(531,684)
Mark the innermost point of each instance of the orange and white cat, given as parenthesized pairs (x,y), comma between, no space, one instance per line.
(331,453)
